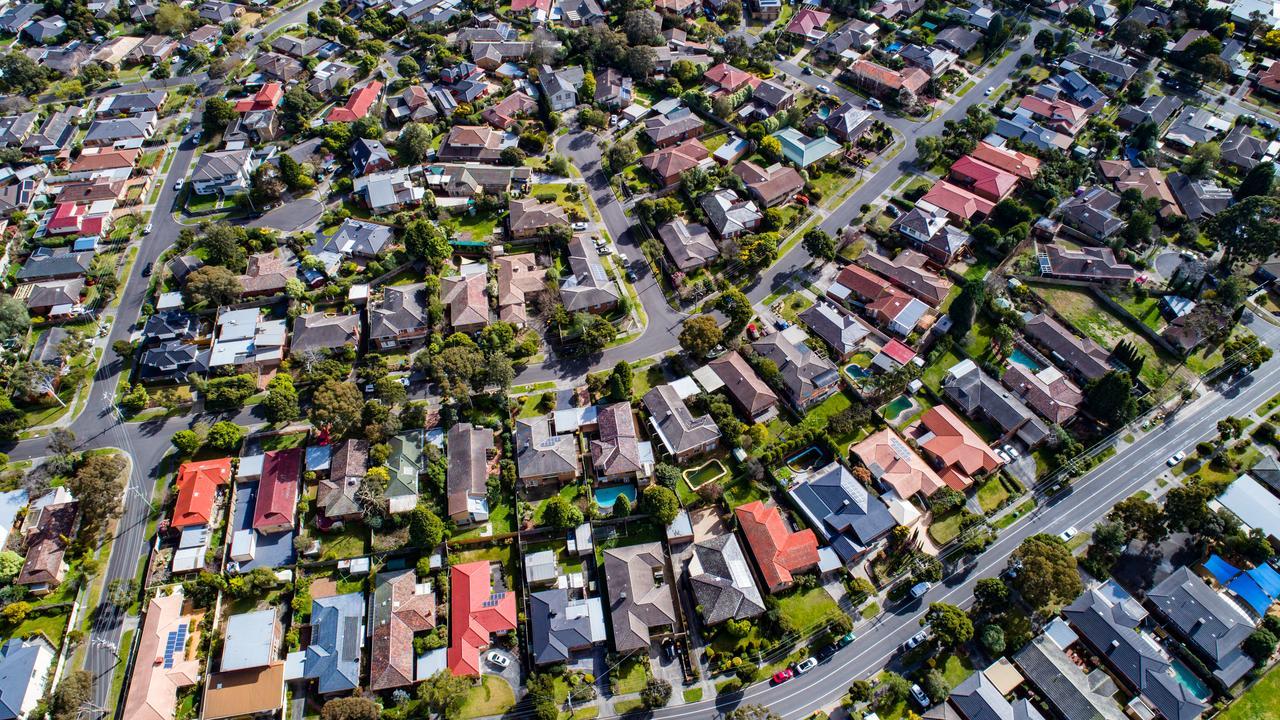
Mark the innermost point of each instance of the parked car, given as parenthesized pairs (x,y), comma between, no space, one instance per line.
(146,270)
(147,230)
(845,639)
(1066,535)
(916,640)
(920,589)
(631,275)
(177,187)
(806,665)
(669,649)
(1004,456)
(579,227)
(782,676)
(875,104)
(1177,458)
(1012,451)
(918,695)
(825,652)
(499,659)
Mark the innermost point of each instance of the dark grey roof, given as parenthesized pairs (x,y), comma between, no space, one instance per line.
(690,245)
(1093,212)
(960,39)
(1156,108)
(1069,691)
(802,369)
(721,581)
(590,285)
(60,263)
(1213,624)
(977,393)
(1242,149)
(559,626)
(542,453)
(771,93)
(1113,633)
(1198,198)
(171,325)
(16,16)
(355,238)
(115,129)
(1081,355)
(133,103)
(838,505)
(677,427)
(324,331)
(467,474)
(401,309)
(641,593)
(173,360)
(337,639)
(46,348)
(837,328)
(1115,71)
(365,152)
(977,698)
(181,267)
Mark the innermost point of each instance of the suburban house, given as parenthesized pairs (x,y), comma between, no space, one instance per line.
(689,245)
(1109,623)
(613,89)
(1213,625)
(470,449)
(928,231)
(1082,357)
(807,377)
(543,456)
(979,696)
(475,143)
(978,395)
(1012,161)
(746,389)
(803,150)
(251,681)
(335,653)
(589,288)
(465,297)
(1093,213)
(1069,691)
(1088,264)
(120,133)
(885,83)
(908,271)
(842,332)
(277,500)
(770,186)
(45,565)
(505,112)
(729,215)
(959,204)
(520,280)
(369,156)
(1047,391)
(225,172)
(667,130)
(480,606)
(641,589)
(387,191)
(1148,181)
(166,662)
(668,164)
(780,552)
(721,581)
(615,455)
(24,669)
(405,465)
(1199,198)
(354,238)
(336,493)
(267,274)
(401,608)
(959,453)
(933,60)
(531,218)
(725,79)
(325,331)
(842,511)
(198,484)
(982,179)
(848,123)
(895,466)
(399,317)
(683,435)
(562,625)
(561,86)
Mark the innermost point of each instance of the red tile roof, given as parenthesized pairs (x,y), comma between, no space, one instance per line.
(957,445)
(104,160)
(475,613)
(806,21)
(278,489)
(779,552)
(899,352)
(265,99)
(1019,163)
(728,77)
(985,180)
(198,484)
(1270,78)
(357,105)
(957,201)
(862,282)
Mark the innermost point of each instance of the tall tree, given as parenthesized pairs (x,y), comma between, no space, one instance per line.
(1259,181)
(336,405)
(1110,398)
(1046,571)
(98,484)
(700,335)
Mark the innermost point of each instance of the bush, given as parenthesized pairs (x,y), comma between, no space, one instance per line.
(229,393)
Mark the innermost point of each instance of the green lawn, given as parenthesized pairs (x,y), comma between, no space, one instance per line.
(493,696)
(1259,703)
(991,493)
(956,669)
(693,695)
(741,490)
(284,442)
(793,305)
(569,492)
(623,707)
(870,610)
(480,225)
(501,553)
(1146,309)
(348,542)
(1013,516)
(934,374)
(51,626)
(630,676)
(1095,322)
(945,528)
(807,608)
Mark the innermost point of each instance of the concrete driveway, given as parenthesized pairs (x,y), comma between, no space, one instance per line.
(1023,469)
(295,216)
(511,673)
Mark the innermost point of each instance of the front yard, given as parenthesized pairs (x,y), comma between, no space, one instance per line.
(1094,321)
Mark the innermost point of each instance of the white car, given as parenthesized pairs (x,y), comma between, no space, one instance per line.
(875,104)
(987,92)
(1066,535)
(147,229)
(806,665)
(823,89)
(498,659)
(579,227)
(177,187)
(1004,456)
(918,695)
(1012,451)
(916,640)
(1177,458)
(605,250)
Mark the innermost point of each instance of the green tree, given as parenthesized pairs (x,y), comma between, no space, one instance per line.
(14,318)
(67,700)
(186,442)
(408,67)
(337,406)
(1140,518)
(620,382)
(350,708)
(1260,645)
(1110,398)
(752,712)
(935,685)
(425,239)
(98,484)
(1046,571)
(425,529)
(10,565)
(414,141)
(212,285)
(1259,181)
(1248,230)
(993,640)
(218,114)
(701,335)
(172,19)
(656,693)
(561,514)
(819,244)
(226,435)
(281,403)
(296,108)
(661,503)
(950,625)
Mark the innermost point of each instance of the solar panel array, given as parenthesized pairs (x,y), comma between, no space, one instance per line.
(493,600)
(177,641)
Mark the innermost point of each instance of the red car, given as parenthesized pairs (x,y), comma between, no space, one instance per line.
(783,676)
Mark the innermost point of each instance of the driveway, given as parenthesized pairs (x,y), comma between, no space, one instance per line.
(1023,469)
(295,216)
(511,673)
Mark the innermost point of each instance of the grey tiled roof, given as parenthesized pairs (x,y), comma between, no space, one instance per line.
(977,393)
(837,505)
(1213,624)
(20,667)
(1069,691)
(802,369)
(679,430)
(641,595)
(559,625)
(542,453)
(722,582)
(337,640)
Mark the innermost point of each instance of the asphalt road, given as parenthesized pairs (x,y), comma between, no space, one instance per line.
(1088,501)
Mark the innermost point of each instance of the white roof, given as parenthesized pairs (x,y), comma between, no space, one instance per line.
(10,503)
(188,559)
(1256,507)
(243,544)
(169,300)
(685,387)
(249,640)
(707,378)
(250,466)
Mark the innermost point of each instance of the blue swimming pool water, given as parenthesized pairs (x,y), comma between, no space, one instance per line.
(1023,359)
(1190,680)
(607,496)
(824,112)
(893,47)
(856,371)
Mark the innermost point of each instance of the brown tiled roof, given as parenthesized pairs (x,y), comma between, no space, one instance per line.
(48,545)
(399,611)
(618,450)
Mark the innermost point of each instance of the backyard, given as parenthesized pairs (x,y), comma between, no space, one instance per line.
(1095,322)
(1259,702)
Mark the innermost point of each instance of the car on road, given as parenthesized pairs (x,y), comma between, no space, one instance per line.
(918,695)
(782,676)
(916,640)
(806,70)
(781,57)
(845,639)
(147,230)
(920,589)
(177,187)
(825,652)
(1176,458)
(1066,535)
(499,659)
(631,275)
(987,92)
(823,89)
(146,270)
(579,227)
(875,104)
(806,665)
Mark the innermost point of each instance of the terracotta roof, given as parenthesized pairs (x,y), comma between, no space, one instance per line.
(400,609)
(779,552)
(899,352)
(265,99)
(864,283)
(477,611)
(912,78)
(667,164)
(893,462)
(727,77)
(47,545)
(198,484)
(243,693)
(277,498)
(986,180)
(161,670)
(104,160)
(957,201)
(357,105)
(1021,164)
(957,445)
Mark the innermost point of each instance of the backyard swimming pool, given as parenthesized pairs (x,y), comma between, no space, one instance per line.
(897,406)
(824,112)
(607,496)
(1023,359)
(808,459)
(1190,680)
